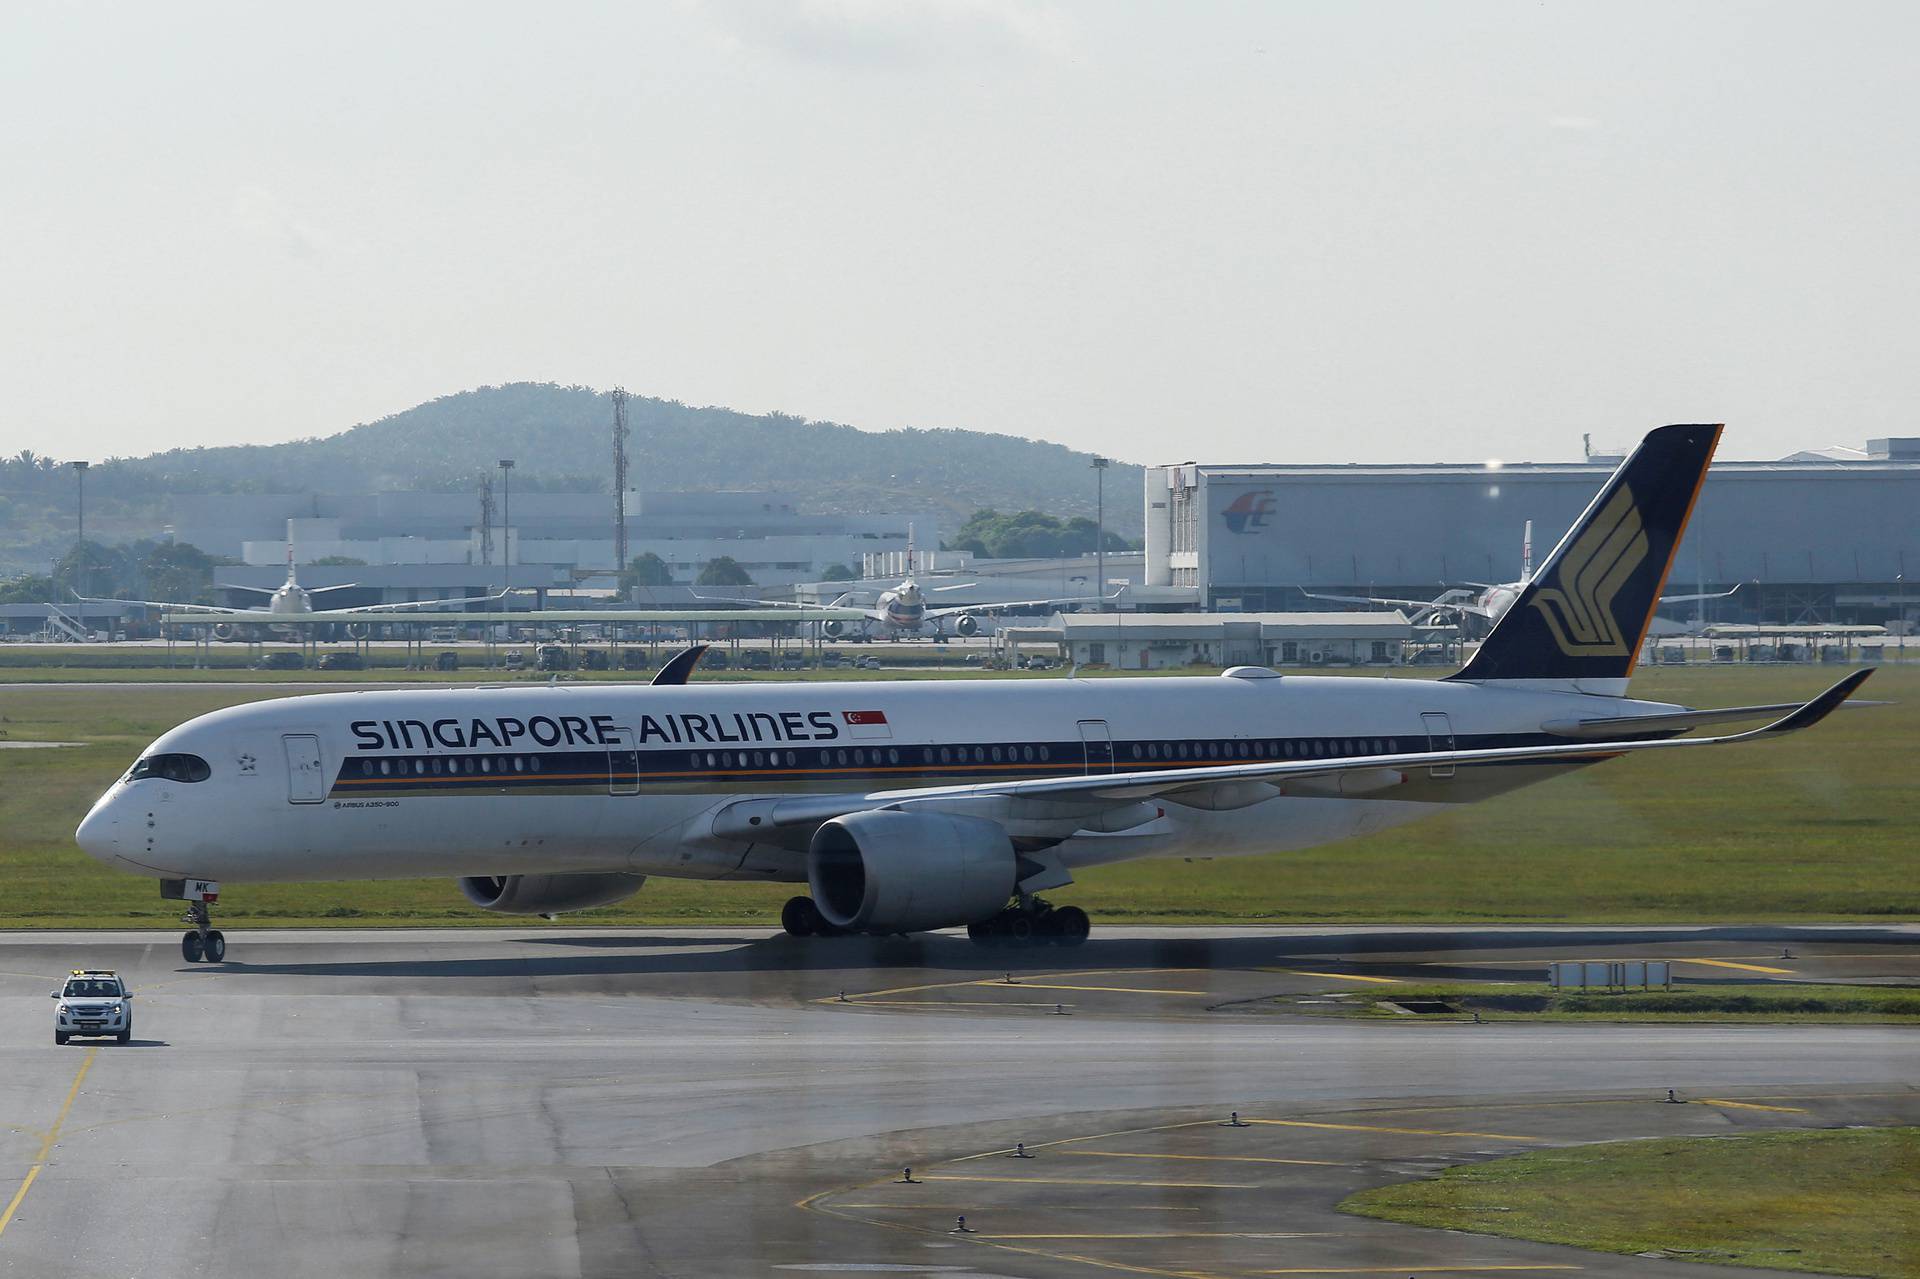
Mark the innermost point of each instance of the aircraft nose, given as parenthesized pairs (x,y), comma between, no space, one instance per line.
(99,831)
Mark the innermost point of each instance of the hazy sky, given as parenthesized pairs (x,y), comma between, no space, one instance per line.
(1288,231)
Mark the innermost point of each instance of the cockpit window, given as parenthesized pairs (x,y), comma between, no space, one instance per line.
(174,768)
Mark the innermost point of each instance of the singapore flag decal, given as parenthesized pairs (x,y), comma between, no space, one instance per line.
(866,724)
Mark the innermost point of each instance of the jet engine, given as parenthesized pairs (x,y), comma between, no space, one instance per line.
(547,895)
(893,872)
(833,630)
(225,633)
(966,624)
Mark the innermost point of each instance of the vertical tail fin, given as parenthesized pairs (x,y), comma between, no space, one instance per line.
(1526,554)
(1584,615)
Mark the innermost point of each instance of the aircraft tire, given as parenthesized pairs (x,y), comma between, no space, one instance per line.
(216,947)
(1069,926)
(190,948)
(801,918)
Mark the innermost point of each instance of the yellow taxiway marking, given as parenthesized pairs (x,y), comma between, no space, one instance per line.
(1753,1105)
(998,981)
(1090,1181)
(1193,1234)
(1302,972)
(953,1003)
(1745,968)
(1400,1270)
(46,1145)
(1025,1204)
(1418,1132)
(1112,990)
(1223,1159)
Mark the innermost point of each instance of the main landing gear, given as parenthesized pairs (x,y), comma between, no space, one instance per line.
(801,918)
(202,942)
(1033,923)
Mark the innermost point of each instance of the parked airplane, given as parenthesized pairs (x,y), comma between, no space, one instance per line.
(290,600)
(903,609)
(917,804)
(1488,601)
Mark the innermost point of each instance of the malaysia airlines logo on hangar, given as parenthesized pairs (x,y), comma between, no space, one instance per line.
(1249,512)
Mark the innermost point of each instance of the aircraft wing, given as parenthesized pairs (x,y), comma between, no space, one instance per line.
(1704,595)
(409,606)
(517,617)
(1001,606)
(215,610)
(840,602)
(1442,602)
(1227,786)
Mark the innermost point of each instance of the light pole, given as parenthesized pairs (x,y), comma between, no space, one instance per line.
(80,521)
(506,523)
(1100,531)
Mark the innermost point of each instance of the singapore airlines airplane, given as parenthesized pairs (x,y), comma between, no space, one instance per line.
(916,805)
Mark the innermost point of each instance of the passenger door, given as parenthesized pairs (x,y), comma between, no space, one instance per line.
(306,780)
(1439,738)
(1098,743)
(623,764)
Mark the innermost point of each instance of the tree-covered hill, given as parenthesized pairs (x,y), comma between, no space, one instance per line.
(560,437)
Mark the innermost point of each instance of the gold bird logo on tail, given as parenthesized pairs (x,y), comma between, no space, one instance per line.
(1578,608)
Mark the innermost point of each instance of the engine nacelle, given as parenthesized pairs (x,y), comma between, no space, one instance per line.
(894,872)
(833,630)
(225,633)
(547,894)
(966,624)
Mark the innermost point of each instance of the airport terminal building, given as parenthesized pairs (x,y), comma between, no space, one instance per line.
(1832,536)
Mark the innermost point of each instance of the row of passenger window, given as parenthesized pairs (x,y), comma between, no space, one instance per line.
(893,756)
(450,766)
(1309,748)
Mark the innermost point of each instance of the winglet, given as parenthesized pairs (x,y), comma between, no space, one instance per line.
(679,667)
(1819,708)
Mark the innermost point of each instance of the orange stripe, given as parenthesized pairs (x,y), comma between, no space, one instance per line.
(1633,655)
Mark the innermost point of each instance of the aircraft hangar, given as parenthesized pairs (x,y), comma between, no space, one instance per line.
(1825,536)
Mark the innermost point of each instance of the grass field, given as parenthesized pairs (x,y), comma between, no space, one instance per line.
(1814,827)
(1833,1202)
(1716,1001)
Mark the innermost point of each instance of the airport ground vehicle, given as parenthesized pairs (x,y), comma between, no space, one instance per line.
(280,660)
(93,1002)
(515,660)
(913,805)
(342,660)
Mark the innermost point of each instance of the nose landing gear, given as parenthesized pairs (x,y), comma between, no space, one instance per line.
(202,942)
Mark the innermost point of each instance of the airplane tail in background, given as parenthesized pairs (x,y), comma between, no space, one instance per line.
(1584,615)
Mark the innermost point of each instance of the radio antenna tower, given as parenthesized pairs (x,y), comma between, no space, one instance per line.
(486,518)
(619,396)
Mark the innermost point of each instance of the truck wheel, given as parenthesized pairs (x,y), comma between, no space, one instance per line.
(59,1036)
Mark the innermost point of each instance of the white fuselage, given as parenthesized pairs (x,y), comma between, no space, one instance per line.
(490,781)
